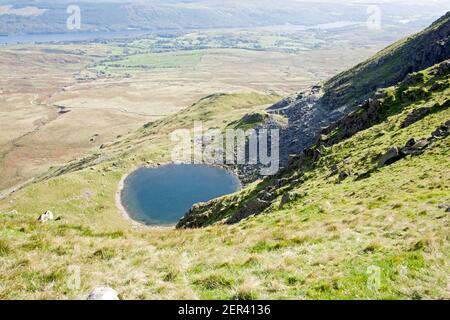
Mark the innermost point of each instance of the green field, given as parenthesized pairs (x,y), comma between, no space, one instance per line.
(182,59)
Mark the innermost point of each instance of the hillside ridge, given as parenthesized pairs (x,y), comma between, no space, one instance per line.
(309,111)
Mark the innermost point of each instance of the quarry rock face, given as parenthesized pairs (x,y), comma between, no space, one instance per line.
(103,294)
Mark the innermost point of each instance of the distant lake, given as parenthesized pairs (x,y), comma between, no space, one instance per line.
(89,36)
(69,37)
(163,195)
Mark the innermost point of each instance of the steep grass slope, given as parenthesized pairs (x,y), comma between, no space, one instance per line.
(390,65)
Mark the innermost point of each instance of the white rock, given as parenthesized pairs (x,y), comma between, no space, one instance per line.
(47,216)
(103,294)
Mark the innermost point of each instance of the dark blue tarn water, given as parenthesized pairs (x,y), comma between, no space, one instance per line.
(163,195)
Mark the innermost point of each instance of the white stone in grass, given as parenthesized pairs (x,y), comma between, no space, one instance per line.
(45,217)
(103,294)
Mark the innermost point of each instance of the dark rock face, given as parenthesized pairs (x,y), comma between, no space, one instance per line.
(371,112)
(365,115)
(306,119)
(444,68)
(200,215)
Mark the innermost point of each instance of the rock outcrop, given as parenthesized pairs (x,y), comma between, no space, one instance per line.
(252,207)
(413,147)
(392,155)
(420,113)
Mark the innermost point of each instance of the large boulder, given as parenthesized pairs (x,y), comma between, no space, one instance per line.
(46,217)
(391,155)
(265,195)
(442,131)
(103,294)
(444,68)
(343,175)
(415,148)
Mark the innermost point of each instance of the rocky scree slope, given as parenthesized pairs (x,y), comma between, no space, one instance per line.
(324,104)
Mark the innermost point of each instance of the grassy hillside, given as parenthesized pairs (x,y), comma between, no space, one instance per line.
(391,65)
(328,241)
